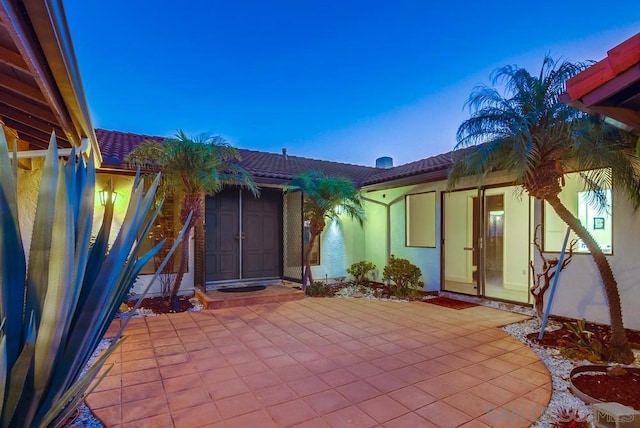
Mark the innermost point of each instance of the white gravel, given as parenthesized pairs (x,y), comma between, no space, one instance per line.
(365,293)
(85,418)
(559,367)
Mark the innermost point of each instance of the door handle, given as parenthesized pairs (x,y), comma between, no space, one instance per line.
(240,236)
(469,249)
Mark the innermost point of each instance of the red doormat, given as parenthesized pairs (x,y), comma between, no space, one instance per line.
(450,303)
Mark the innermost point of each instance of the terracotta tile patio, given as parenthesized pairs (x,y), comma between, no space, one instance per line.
(324,363)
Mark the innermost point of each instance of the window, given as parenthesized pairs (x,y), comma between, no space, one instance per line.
(163,228)
(593,209)
(421,220)
(314,257)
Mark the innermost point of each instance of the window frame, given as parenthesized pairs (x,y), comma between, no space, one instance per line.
(172,266)
(407,218)
(543,219)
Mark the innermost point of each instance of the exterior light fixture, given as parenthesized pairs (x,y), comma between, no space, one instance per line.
(107,195)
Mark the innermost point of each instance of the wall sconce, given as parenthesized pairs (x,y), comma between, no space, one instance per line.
(104,196)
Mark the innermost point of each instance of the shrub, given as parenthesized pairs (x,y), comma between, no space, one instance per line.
(583,344)
(319,289)
(57,304)
(404,278)
(360,271)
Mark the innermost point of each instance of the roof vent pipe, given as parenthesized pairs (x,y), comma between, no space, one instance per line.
(284,152)
(384,162)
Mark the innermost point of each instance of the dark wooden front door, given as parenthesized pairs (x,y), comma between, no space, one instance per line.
(221,249)
(243,238)
(262,232)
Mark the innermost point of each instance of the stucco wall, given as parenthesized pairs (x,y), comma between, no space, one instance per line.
(375,237)
(341,245)
(122,186)
(427,259)
(580,293)
(28,187)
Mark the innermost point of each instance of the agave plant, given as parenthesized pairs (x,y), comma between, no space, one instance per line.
(57,304)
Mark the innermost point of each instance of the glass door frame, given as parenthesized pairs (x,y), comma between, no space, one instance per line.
(479,244)
(476,243)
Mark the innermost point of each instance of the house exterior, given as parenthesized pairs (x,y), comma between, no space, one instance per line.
(468,240)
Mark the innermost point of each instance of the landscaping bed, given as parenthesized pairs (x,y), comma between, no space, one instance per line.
(556,338)
(365,290)
(560,367)
(606,384)
(160,305)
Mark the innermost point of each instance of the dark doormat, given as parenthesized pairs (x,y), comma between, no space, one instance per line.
(450,303)
(242,289)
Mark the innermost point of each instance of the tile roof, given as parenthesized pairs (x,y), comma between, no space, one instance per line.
(611,87)
(434,164)
(276,167)
(116,145)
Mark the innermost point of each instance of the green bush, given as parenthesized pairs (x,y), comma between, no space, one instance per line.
(56,307)
(360,271)
(319,289)
(403,277)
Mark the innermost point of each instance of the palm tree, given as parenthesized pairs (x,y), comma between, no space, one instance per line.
(191,168)
(531,134)
(325,197)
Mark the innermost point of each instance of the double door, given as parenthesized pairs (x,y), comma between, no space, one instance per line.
(243,238)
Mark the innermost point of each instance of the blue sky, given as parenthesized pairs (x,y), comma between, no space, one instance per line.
(345,80)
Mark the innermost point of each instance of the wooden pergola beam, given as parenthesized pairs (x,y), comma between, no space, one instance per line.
(27,107)
(21,88)
(13,59)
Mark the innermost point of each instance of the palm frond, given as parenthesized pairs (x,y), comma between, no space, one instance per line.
(203,164)
(327,196)
(525,129)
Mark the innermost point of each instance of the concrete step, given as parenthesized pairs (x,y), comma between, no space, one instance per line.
(272,294)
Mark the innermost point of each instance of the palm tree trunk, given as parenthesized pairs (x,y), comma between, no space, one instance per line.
(620,350)
(184,263)
(190,205)
(307,276)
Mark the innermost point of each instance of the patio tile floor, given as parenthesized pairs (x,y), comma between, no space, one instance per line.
(323,363)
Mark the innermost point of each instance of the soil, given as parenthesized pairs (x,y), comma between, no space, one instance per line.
(623,389)
(159,305)
(558,337)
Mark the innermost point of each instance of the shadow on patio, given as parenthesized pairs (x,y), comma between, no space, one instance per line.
(324,362)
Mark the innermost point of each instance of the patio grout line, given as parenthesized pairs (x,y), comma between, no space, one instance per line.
(361,315)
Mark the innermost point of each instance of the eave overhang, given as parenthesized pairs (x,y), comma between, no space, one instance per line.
(40,86)
(610,89)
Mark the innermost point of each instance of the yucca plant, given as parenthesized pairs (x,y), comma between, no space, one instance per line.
(56,305)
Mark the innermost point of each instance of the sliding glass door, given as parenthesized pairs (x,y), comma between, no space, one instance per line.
(461,241)
(486,241)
